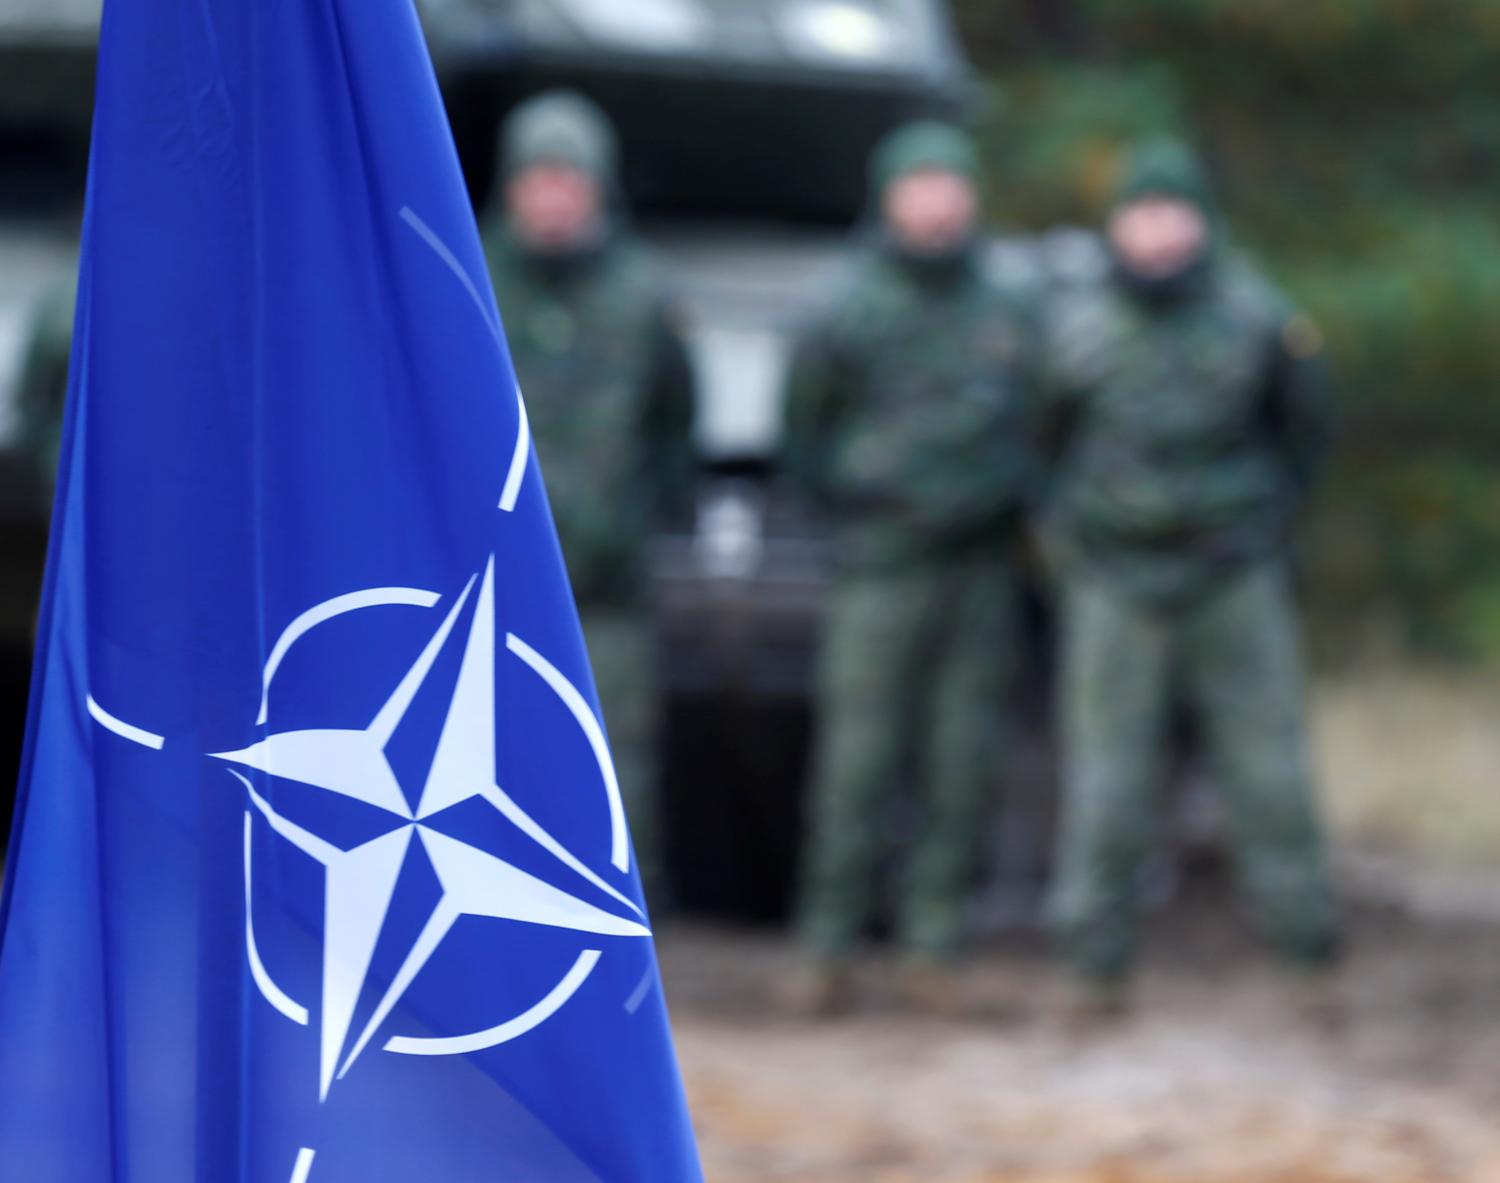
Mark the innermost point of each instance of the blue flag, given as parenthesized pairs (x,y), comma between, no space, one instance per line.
(320,872)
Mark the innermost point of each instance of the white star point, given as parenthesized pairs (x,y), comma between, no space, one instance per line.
(361,883)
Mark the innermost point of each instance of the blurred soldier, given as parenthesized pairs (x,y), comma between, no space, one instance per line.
(610,400)
(1188,422)
(908,427)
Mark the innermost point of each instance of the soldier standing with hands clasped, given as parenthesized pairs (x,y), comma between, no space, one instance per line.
(1187,422)
(908,428)
(609,394)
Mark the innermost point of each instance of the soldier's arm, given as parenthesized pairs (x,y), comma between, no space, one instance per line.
(1298,399)
(1056,393)
(671,457)
(816,376)
(1035,419)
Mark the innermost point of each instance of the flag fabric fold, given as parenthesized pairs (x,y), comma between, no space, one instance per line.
(319,871)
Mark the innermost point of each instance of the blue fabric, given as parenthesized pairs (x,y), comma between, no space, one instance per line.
(318,871)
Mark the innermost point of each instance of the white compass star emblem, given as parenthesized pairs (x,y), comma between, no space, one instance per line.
(360,883)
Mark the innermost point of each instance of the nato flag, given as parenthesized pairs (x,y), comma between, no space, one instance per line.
(320,870)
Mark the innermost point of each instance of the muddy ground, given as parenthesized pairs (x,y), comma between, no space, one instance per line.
(1222,1073)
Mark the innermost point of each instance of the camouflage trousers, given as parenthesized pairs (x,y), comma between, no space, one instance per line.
(622,653)
(915,665)
(1233,657)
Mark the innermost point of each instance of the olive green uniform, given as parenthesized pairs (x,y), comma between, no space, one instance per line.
(1187,419)
(609,396)
(908,426)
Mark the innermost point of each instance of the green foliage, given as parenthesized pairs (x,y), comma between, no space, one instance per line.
(1358,146)
(1056,134)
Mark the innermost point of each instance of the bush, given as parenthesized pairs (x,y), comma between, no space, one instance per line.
(1358,143)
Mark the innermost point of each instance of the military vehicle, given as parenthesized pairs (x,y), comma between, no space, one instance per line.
(746,125)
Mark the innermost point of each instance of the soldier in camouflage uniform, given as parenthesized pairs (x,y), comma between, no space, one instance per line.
(1187,422)
(908,427)
(609,395)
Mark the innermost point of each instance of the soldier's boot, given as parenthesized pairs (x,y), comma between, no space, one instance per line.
(1311,985)
(1092,1003)
(822,988)
(1098,944)
(1313,997)
(930,986)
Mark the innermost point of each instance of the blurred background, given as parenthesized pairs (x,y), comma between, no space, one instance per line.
(1357,145)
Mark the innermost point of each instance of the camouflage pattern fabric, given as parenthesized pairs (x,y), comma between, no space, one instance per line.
(609,395)
(1186,438)
(622,651)
(908,429)
(1185,423)
(1232,656)
(1186,420)
(915,666)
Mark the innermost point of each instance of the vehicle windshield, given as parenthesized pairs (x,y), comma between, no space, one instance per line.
(847,34)
(739,109)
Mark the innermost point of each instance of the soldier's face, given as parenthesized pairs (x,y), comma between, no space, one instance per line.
(930,212)
(554,207)
(1158,237)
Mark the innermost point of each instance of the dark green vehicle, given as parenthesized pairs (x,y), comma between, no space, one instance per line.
(746,125)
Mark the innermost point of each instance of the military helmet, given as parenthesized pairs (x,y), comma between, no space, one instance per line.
(928,144)
(560,127)
(1165,167)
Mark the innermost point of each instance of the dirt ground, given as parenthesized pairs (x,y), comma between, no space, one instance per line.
(1221,1073)
(1407,756)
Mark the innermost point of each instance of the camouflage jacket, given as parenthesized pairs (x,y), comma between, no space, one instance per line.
(609,394)
(1183,438)
(909,419)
